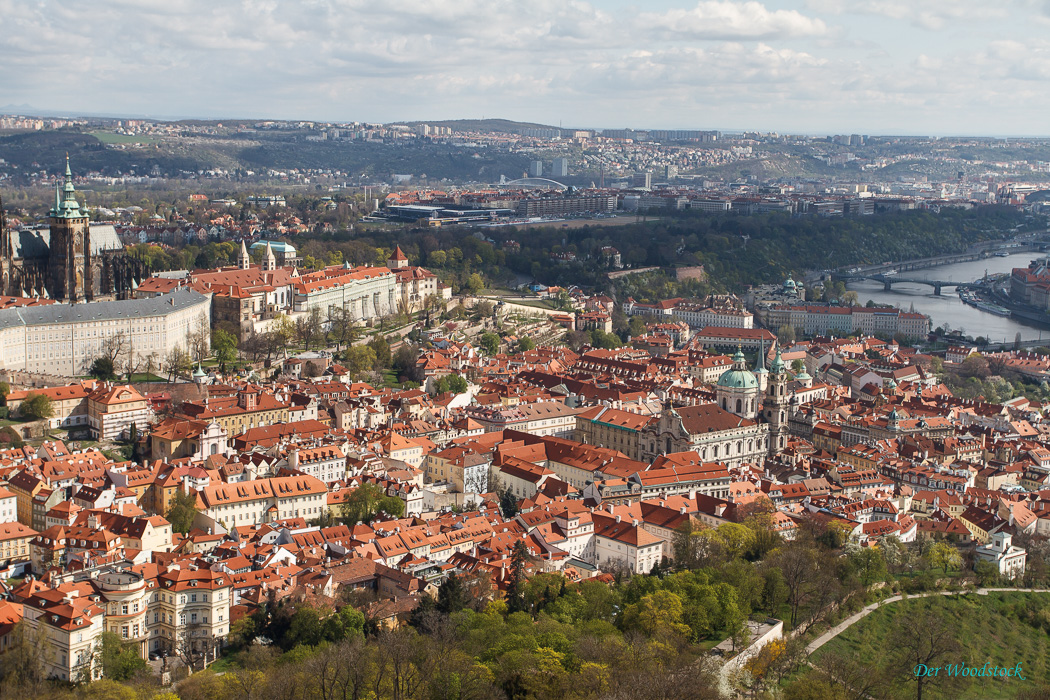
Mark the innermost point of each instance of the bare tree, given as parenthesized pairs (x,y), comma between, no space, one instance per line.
(308,328)
(341,326)
(249,680)
(796,561)
(342,671)
(921,639)
(399,655)
(131,361)
(176,362)
(115,347)
(151,362)
(198,338)
(857,679)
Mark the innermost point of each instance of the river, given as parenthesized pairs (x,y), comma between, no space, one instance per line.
(948,308)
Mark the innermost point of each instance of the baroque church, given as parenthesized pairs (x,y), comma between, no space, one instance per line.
(71,260)
(748,421)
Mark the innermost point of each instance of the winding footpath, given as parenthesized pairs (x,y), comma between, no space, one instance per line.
(849,621)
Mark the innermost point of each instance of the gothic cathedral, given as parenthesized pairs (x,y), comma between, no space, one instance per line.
(72,261)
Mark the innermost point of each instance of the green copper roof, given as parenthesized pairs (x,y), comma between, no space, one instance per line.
(738,379)
(778,365)
(66,204)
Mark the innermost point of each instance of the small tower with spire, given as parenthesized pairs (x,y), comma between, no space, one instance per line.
(776,403)
(269,260)
(244,260)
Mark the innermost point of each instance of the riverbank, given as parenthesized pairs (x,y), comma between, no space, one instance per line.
(949,308)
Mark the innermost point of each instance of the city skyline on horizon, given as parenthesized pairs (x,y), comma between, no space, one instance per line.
(813,67)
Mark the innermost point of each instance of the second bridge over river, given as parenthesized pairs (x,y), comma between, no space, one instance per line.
(889,280)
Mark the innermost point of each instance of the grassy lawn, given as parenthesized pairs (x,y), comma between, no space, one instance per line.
(390,381)
(147,378)
(996,628)
(225,663)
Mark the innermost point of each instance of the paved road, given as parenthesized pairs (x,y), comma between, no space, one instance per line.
(848,622)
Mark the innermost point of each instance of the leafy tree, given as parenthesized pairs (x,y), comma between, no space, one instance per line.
(120,661)
(450,382)
(657,612)
(224,344)
(636,326)
(605,341)
(489,343)
(786,335)
(37,407)
(5,389)
(405,359)
(944,556)
(25,663)
(182,510)
(475,283)
(381,348)
(452,596)
(102,369)
(525,344)
(369,500)
(360,359)
(508,502)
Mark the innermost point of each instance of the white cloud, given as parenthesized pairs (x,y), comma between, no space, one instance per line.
(716,63)
(721,19)
(931,15)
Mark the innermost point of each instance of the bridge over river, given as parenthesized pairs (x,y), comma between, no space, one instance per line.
(889,280)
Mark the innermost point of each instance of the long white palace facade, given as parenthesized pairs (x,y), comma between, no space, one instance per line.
(65,339)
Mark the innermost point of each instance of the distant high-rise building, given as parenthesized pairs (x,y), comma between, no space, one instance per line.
(642,180)
(560,167)
(536,168)
(670,172)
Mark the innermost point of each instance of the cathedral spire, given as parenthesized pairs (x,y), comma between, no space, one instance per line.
(66,204)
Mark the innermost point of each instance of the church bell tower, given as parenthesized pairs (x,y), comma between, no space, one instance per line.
(69,263)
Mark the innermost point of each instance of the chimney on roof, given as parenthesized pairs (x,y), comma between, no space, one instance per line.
(617,518)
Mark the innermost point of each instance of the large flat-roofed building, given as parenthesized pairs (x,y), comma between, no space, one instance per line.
(366,292)
(65,339)
(566,204)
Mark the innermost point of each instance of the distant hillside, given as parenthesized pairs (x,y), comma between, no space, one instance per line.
(46,150)
(503,126)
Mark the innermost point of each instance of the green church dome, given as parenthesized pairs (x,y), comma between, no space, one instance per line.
(738,377)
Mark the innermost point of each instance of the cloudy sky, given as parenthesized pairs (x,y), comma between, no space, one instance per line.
(812,66)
